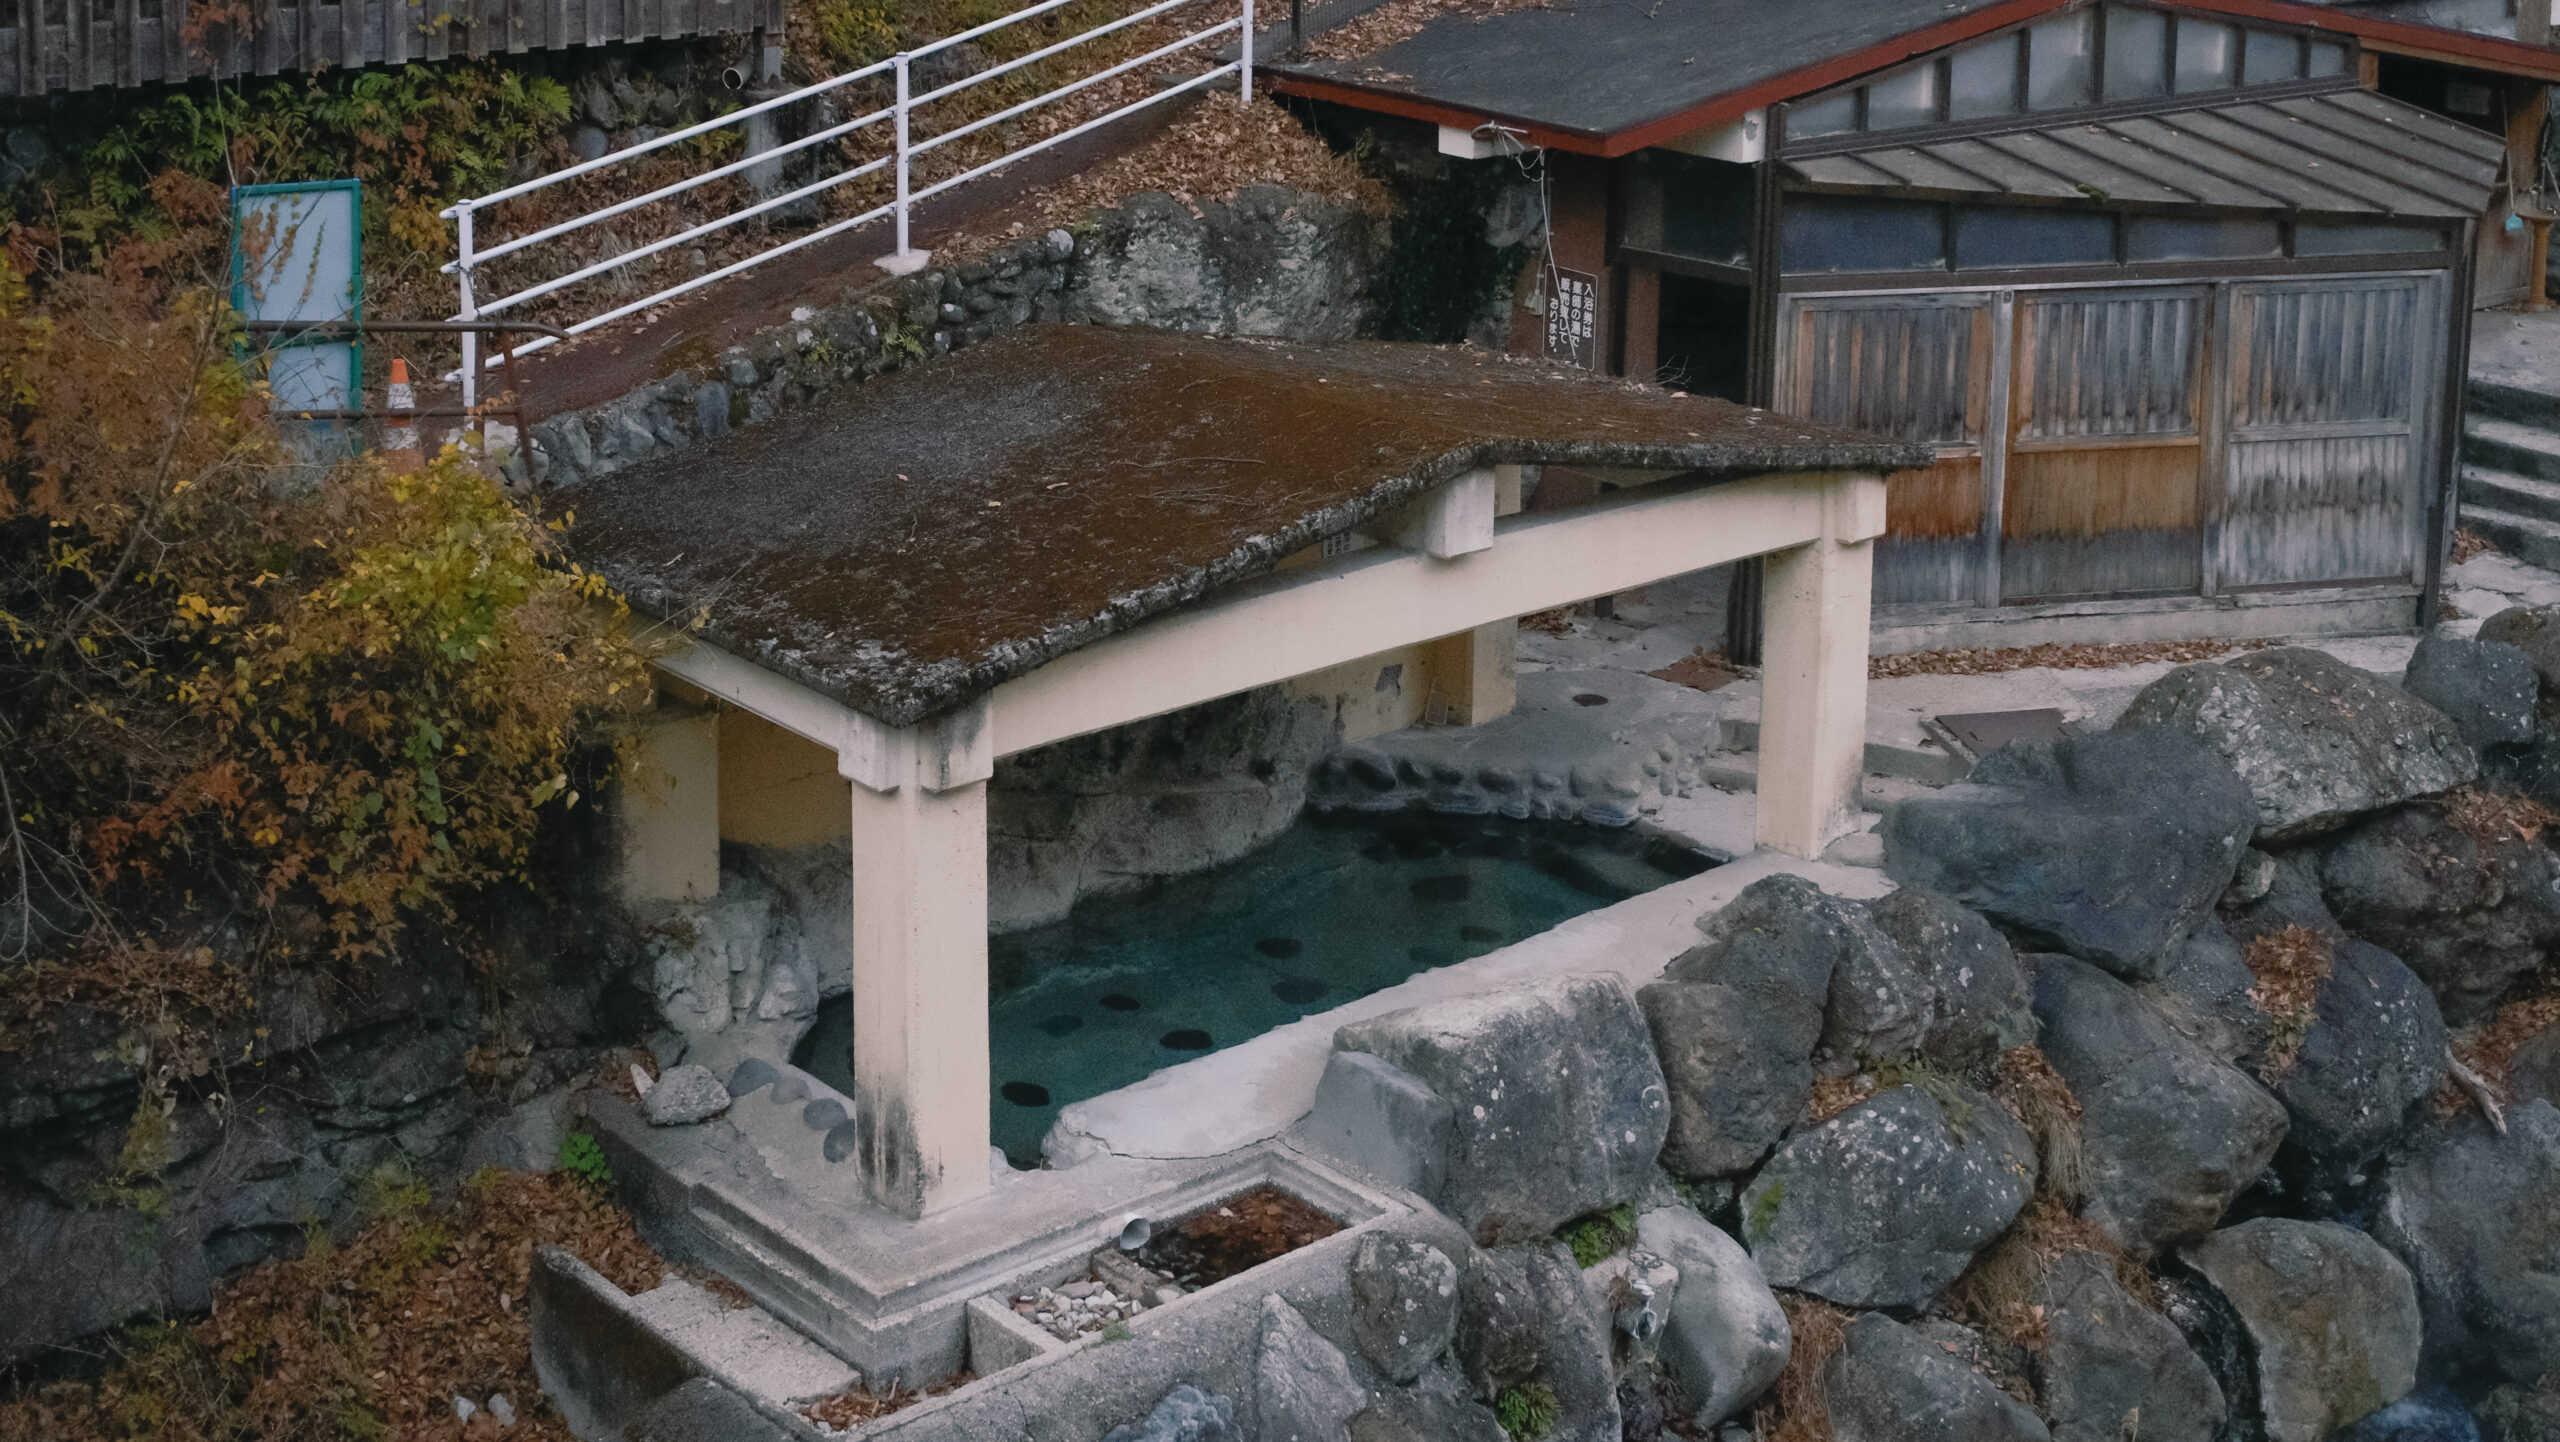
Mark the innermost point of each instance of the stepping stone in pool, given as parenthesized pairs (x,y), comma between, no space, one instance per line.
(1297,990)
(1187,1039)
(1429,956)
(1442,888)
(1061,1024)
(1280,948)
(1120,1001)
(1024,1094)
(1478,933)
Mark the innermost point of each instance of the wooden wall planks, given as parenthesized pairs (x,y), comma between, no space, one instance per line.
(62,45)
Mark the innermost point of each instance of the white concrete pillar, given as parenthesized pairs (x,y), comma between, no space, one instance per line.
(1478,672)
(668,830)
(1813,700)
(920,960)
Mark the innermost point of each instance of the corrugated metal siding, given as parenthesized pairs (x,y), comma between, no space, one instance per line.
(55,45)
(2325,477)
(2103,484)
(1918,368)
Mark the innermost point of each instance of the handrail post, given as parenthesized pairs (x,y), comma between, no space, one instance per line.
(470,305)
(907,260)
(1244,66)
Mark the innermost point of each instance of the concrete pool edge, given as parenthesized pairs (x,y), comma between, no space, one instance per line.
(1256,1090)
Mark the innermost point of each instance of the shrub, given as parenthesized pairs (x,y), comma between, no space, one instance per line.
(235,693)
(1528,1411)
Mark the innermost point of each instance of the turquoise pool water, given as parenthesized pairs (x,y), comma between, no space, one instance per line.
(1341,905)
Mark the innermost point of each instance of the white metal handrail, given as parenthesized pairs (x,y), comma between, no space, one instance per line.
(903,151)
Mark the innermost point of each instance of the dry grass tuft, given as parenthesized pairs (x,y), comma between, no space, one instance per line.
(847,1410)
(2468,543)
(2291,966)
(1833,1095)
(1793,1409)
(2054,655)
(2028,1087)
(2495,817)
(2490,1048)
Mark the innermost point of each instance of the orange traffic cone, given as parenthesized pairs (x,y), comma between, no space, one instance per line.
(400,435)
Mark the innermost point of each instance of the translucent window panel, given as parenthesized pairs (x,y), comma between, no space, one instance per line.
(2317,238)
(1983,80)
(1838,233)
(2273,58)
(2208,56)
(2328,57)
(2161,237)
(2137,54)
(1910,98)
(2060,55)
(1837,115)
(1989,239)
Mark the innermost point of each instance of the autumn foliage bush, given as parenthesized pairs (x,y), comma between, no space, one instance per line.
(235,682)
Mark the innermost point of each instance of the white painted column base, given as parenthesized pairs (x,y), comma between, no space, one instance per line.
(920,1054)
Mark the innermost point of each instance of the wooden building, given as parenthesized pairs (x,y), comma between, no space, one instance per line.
(2178,299)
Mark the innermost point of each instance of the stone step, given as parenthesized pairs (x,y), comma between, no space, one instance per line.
(2512,446)
(2529,539)
(746,1347)
(2492,400)
(2486,488)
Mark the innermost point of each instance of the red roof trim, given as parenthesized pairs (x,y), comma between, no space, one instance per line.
(2506,56)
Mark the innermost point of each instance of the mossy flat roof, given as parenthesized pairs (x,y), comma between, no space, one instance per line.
(950,526)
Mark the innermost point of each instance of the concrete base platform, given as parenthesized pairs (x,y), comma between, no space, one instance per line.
(890,1296)
(2257,616)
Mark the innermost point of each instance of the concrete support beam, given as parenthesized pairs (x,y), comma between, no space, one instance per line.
(1813,677)
(1477,673)
(920,963)
(669,829)
(1298,622)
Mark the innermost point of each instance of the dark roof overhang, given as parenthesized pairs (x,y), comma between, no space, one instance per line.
(2341,152)
(1418,93)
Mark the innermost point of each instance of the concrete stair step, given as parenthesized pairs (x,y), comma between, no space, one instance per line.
(2495,401)
(2513,446)
(743,1345)
(2506,492)
(2530,539)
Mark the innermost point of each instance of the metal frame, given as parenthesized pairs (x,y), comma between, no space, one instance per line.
(519,403)
(354,190)
(904,149)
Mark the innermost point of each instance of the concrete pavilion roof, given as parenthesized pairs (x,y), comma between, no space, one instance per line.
(947,527)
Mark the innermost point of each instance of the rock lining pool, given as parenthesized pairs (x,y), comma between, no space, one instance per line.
(1343,904)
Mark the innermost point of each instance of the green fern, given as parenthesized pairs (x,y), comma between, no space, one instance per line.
(1528,1412)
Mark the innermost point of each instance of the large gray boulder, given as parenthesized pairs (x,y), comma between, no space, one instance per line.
(2376,1048)
(2205,995)
(2468,918)
(2109,847)
(2317,741)
(1559,1106)
(1888,1383)
(2533,630)
(1303,1390)
(2488,688)
(2533,1073)
(2476,1216)
(1821,966)
(1272,261)
(1885,1204)
(1736,1082)
(1725,1338)
(2519,1414)
(2113,1367)
(1437,1407)
(1523,1317)
(2169,1133)
(1186,1414)
(1979,1006)
(2332,1317)
(1404,1304)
